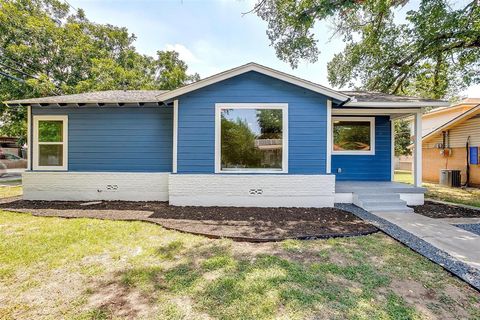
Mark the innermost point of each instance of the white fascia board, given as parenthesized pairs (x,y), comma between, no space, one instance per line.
(257,68)
(416,104)
(373,111)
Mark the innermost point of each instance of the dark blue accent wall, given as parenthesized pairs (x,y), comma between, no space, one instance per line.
(368,167)
(306,115)
(135,139)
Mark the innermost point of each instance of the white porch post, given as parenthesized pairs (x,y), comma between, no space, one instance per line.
(175,136)
(29,138)
(329,137)
(392,149)
(417,157)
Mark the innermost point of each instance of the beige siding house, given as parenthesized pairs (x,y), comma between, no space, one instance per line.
(449,132)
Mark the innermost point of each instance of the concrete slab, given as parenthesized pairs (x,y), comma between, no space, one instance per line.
(461,220)
(461,244)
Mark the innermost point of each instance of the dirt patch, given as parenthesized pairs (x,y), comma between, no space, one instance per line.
(241,224)
(427,300)
(440,210)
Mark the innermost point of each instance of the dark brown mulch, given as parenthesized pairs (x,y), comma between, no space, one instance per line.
(243,224)
(440,210)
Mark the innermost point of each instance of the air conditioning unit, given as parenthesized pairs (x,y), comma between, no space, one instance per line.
(450,178)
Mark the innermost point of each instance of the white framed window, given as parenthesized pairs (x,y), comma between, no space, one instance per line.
(251,138)
(50,142)
(353,135)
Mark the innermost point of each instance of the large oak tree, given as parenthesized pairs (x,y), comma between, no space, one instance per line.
(434,53)
(48,48)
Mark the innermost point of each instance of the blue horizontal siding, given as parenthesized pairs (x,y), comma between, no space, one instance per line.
(368,167)
(306,116)
(128,139)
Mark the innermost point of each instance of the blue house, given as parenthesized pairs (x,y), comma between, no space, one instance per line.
(249,136)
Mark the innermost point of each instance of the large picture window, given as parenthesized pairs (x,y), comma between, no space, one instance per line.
(353,135)
(251,138)
(50,142)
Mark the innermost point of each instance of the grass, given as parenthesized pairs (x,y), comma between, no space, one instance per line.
(468,196)
(93,269)
(7,191)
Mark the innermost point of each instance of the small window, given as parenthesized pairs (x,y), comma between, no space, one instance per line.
(353,136)
(50,143)
(251,138)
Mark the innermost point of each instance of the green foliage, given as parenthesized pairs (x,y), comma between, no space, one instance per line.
(402,138)
(351,136)
(433,54)
(51,51)
(238,144)
(270,121)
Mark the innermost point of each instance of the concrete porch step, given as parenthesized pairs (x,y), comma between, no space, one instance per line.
(381,202)
(376,197)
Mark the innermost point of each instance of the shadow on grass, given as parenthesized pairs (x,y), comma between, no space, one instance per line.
(225,286)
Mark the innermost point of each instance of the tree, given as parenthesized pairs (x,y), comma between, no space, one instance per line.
(434,54)
(45,49)
(403,137)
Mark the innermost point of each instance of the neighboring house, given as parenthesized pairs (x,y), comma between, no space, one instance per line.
(431,121)
(453,143)
(249,136)
(9,145)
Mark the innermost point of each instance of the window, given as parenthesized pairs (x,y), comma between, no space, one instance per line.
(50,142)
(353,135)
(251,138)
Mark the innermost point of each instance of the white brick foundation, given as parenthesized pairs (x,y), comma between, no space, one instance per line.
(251,190)
(85,186)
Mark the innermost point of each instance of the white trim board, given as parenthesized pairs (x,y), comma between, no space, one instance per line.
(257,68)
(328,164)
(370,152)
(282,106)
(403,104)
(175,137)
(36,148)
(29,138)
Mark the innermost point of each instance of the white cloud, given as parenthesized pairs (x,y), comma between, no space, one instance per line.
(184,53)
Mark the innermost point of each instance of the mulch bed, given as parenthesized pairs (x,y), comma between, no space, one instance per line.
(440,210)
(241,224)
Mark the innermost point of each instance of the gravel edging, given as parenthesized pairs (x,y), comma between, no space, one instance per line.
(458,268)
(470,227)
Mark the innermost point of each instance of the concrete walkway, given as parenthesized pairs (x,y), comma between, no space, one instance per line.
(460,244)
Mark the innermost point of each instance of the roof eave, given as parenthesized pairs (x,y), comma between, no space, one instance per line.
(257,68)
(403,104)
(452,122)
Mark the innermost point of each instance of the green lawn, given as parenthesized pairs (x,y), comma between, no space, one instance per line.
(468,196)
(10,191)
(54,268)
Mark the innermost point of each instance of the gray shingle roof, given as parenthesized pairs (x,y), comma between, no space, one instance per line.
(109,96)
(372,96)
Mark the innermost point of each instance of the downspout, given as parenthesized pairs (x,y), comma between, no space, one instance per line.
(467,147)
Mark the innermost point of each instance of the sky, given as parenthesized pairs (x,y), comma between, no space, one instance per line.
(212,35)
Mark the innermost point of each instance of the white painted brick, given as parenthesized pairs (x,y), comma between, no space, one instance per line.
(235,190)
(86,186)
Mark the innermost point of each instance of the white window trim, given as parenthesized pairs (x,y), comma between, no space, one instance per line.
(353,152)
(36,143)
(220,106)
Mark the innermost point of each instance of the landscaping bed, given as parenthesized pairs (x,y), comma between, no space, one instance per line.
(242,224)
(440,210)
